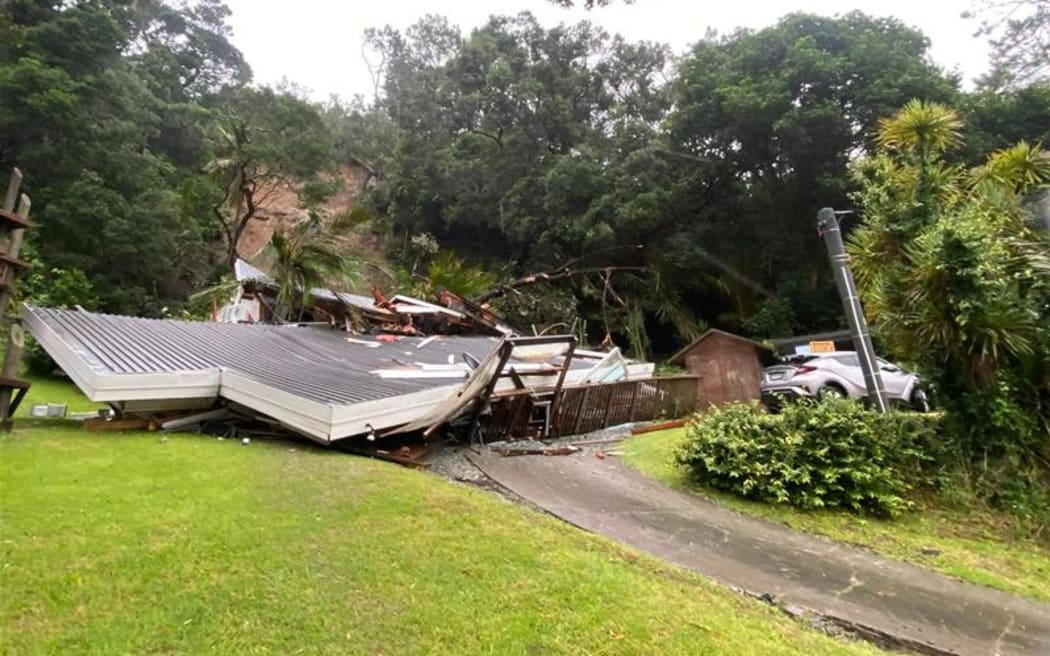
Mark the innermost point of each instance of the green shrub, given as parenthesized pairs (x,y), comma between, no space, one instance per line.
(49,287)
(836,454)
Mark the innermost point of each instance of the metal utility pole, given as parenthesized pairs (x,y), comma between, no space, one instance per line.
(828,227)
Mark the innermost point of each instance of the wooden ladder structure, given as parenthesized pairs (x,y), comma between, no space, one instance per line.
(12,229)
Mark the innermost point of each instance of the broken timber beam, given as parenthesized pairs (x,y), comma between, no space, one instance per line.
(126,424)
(664,425)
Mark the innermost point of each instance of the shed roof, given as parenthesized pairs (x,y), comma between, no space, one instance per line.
(679,357)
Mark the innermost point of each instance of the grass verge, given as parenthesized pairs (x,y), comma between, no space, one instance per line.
(184,544)
(972,543)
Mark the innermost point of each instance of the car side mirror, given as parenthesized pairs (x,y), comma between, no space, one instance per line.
(890,368)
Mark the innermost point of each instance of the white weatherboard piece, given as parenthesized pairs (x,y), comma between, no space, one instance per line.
(636,370)
(417,306)
(609,369)
(362,342)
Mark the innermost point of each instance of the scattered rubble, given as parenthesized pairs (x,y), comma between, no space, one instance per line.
(532,448)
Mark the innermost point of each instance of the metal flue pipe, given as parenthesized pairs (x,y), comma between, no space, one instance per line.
(828,227)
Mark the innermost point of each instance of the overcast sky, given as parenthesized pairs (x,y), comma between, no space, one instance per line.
(317,43)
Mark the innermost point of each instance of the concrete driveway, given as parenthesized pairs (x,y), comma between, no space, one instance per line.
(894,602)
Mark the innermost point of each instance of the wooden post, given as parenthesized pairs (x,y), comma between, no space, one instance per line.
(14,246)
(552,410)
(15,337)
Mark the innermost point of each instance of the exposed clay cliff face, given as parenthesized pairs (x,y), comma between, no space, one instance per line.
(280,206)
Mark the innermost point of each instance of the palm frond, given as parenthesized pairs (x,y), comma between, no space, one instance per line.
(921,127)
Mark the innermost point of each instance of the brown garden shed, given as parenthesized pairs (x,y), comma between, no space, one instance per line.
(729,367)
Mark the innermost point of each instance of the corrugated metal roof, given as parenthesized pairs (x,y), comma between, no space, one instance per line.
(312,363)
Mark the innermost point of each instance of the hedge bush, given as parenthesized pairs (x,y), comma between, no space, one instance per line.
(835,453)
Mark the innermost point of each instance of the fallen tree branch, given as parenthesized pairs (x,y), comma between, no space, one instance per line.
(549,276)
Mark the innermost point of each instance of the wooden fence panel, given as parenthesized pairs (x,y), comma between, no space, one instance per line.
(586,408)
(569,406)
(621,403)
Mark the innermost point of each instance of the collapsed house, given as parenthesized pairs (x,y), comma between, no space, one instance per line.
(330,385)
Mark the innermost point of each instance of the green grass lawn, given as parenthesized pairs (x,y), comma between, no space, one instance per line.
(974,543)
(183,544)
(54,390)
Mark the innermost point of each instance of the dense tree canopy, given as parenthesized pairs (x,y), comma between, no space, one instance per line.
(113,109)
(955,274)
(528,147)
(777,115)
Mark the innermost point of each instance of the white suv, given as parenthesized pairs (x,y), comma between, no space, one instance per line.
(838,375)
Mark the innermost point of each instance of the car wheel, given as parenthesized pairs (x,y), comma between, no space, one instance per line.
(831,392)
(919,401)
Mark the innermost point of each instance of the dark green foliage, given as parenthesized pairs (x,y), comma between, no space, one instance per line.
(100,105)
(993,120)
(771,119)
(832,454)
(114,110)
(532,147)
(447,271)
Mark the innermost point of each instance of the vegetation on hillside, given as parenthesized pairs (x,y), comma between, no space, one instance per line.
(681,189)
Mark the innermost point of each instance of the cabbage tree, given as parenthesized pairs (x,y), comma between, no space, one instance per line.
(955,273)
